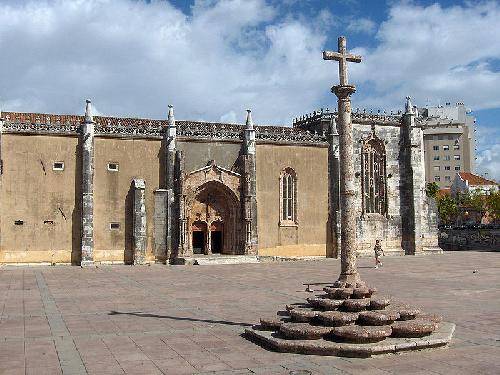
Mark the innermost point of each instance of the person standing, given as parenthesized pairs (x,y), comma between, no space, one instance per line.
(378,253)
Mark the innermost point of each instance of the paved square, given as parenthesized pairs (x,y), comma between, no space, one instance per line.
(184,320)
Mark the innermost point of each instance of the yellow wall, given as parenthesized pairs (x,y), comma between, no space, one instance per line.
(137,158)
(35,195)
(311,167)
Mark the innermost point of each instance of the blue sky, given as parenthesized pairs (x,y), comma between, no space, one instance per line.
(213,59)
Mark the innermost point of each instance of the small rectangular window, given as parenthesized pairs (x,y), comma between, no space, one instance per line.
(450,137)
(457,167)
(436,157)
(48,222)
(447,157)
(447,178)
(456,147)
(446,147)
(113,167)
(437,178)
(437,168)
(19,222)
(435,148)
(58,166)
(447,168)
(440,137)
(114,226)
(456,157)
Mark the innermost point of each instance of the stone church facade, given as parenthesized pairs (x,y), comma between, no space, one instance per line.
(90,189)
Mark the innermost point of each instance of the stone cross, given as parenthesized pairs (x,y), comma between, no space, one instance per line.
(349,276)
(342,57)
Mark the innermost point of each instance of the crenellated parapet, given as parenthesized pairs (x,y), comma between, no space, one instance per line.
(49,124)
(312,120)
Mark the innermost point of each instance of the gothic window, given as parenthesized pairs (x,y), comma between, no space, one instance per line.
(374,177)
(288,197)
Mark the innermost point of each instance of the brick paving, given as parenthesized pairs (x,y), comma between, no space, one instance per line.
(185,320)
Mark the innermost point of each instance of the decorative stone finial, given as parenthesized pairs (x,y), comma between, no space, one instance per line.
(249,122)
(408,106)
(171,118)
(88,112)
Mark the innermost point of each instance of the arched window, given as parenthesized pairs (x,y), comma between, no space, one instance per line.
(288,197)
(373,176)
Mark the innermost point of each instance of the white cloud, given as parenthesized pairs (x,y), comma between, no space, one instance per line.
(488,156)
(434,54)
(133,58)
(361,25)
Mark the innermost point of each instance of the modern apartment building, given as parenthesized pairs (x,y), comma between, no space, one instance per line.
(449,145)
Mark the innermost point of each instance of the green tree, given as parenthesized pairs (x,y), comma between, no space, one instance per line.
(477,202)
(447,208)
(432,189)
(493,205)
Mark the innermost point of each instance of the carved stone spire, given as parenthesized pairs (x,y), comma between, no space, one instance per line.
(88,112)
(171,129)
(249,134)
(249,121)
(409,107)
(171,118)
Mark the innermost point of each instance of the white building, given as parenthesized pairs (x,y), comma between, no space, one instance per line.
(466,182)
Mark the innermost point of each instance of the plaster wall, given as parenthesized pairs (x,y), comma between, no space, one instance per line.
(42,198)
(113,195)
(308,238)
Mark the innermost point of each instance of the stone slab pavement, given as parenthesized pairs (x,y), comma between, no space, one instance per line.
(188,319)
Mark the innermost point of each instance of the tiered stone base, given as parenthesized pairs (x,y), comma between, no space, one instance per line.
(351,322)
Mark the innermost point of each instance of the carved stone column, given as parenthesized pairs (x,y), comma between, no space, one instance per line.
(249,188)
(87,208)
(139,221)
(349,274)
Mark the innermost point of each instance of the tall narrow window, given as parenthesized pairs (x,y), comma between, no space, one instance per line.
(373,176)
(288,194)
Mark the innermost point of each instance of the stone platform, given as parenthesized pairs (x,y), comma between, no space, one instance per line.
(272,340)
(351,322)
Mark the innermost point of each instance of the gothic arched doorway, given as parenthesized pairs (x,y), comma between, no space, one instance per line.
(214,220)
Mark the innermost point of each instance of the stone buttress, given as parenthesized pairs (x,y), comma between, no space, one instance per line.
(412,182)
(87,188)
(139,221)
(249,188)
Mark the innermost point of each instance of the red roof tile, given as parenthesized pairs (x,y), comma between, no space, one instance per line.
(475,180)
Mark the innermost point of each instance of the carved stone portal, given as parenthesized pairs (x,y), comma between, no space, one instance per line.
(213,211)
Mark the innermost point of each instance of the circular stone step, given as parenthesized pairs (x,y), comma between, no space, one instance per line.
(356,304)
(337,318)
(270,324)
(413,328)
(303,331)
(338,293)
(315,301)
(361,292)
(377,318)
(303,315)
(330,304)
(362,334)
(406,312)
(379,303)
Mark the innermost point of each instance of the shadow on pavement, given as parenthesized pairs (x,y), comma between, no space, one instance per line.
(148,315)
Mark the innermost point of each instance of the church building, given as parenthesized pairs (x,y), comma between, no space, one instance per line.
(94,189)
